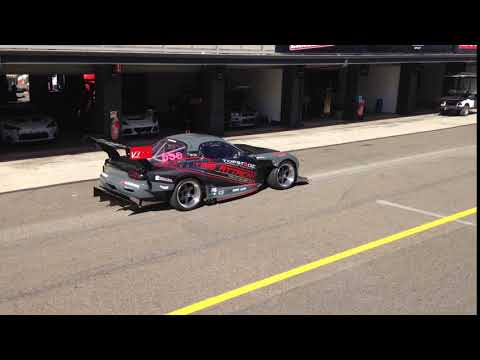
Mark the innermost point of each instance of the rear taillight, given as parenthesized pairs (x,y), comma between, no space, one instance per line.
(134,174)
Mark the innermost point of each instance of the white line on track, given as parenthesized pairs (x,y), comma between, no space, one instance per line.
(388,203)
(390,162)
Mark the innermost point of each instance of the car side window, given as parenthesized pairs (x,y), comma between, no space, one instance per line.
(218,150)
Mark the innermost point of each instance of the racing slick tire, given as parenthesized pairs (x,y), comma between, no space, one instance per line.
(465,110)
(283,177)
(187,195)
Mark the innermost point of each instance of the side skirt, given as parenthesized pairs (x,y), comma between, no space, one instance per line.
(215,193)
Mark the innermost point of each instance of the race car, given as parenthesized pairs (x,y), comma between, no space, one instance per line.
(188,170)
(23,123)
(140,124)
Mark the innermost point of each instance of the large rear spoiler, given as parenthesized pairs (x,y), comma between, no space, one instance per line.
(111,148)
(134,152)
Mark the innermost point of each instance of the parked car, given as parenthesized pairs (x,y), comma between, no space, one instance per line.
(187,170)
(140,124)
(239,113)
(462,94)
(24,123)
(242,116)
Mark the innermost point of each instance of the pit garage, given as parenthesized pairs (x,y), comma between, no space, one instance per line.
(80,97)
(321,86)
(253,97)
(378,85)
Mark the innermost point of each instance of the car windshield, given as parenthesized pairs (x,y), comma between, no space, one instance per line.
(167,150)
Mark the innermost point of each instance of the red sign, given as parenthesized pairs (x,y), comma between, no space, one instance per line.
(467,47)
(117,68)
(89,77)
(140,152)
(303,47)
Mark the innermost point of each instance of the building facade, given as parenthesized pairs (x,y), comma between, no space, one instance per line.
(284,84)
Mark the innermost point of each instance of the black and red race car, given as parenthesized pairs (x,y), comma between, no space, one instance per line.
(188,170)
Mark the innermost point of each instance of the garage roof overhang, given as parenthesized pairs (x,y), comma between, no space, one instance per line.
(49,57)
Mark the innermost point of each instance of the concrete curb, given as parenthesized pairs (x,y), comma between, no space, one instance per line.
(64,169)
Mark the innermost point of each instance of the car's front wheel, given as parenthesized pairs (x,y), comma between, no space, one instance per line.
(466,110)
(283,177)
(187,195)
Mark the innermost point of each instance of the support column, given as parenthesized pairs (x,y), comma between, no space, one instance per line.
(341,95)
(351,92)
(407,89)
(3,88)
(39,90)
(211,118)
(108,97)
(292,96)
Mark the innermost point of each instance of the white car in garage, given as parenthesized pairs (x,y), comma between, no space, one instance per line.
(140,124)
(24,124)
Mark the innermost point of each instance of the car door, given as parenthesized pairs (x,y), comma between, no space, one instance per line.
(231,163)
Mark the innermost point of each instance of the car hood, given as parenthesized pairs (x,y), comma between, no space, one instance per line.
(27,121)
(138,120)
(453,98)
(244,113)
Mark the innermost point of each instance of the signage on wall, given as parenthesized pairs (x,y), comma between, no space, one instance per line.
(361,49)
(466,48)
(117,69)
(306,47)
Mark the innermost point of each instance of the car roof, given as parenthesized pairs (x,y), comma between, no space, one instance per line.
(193,140)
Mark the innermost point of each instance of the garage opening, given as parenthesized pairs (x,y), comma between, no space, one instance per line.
(320,94)
(379,85)
(253,99)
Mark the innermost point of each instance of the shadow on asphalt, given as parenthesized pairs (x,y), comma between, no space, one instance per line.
(165,206)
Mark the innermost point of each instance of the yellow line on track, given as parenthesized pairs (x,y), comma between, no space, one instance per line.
(316,264)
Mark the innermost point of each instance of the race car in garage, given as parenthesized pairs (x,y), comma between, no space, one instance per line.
(462,94)
(140,124)
(239,113)
(24,123)
(188,170)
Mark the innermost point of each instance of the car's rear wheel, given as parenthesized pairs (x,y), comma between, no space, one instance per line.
(187,195)
(283,177)
(466,110)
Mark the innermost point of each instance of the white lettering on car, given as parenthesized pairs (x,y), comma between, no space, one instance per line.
(127,183)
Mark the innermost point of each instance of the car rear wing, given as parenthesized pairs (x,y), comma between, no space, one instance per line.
(111,148)
(133,152)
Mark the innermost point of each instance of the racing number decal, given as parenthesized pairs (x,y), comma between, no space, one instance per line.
(172,156)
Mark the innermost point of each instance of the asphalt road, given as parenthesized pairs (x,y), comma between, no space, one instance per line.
(62,252)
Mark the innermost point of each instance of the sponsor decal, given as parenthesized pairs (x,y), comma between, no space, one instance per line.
(127,183)
(235,190)
(140,152)
(214,190)
(221,192)
(239,163)
(160,178)
(164,187)
(305,47)
(207,165)
(237,172)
